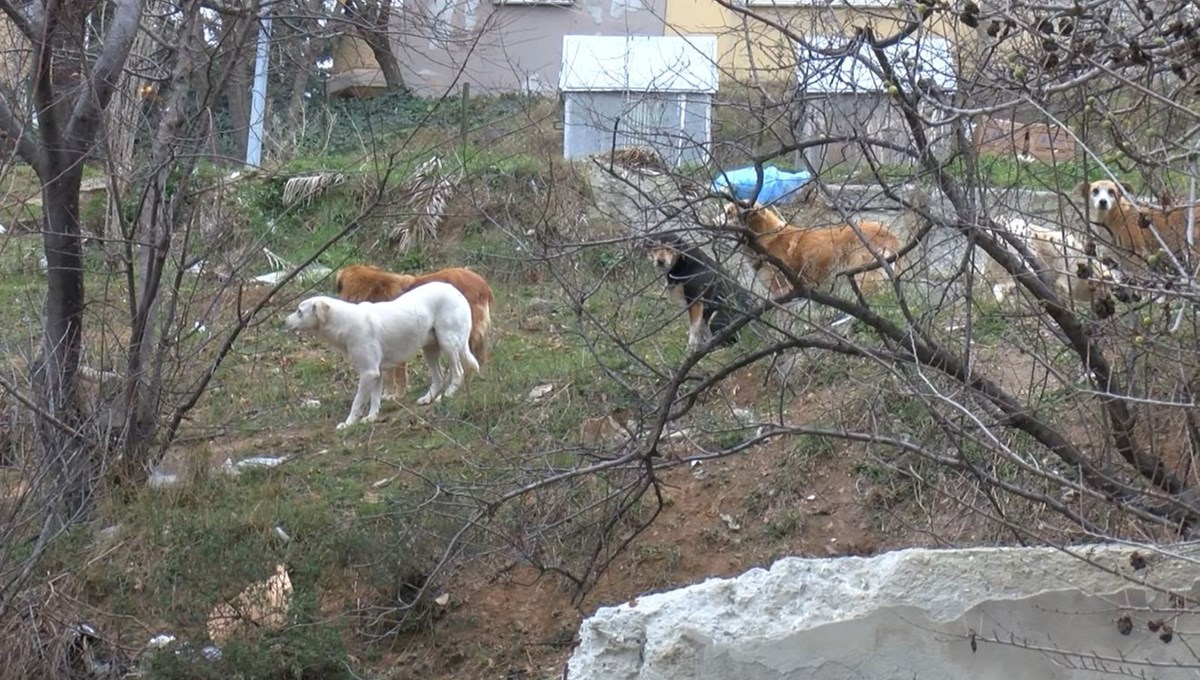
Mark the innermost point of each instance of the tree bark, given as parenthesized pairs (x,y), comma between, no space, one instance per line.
(371,20)
(68,99)
(304,68)
(237,40)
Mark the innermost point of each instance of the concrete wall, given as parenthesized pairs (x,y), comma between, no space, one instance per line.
(677,124)
(507,47)
(983,614)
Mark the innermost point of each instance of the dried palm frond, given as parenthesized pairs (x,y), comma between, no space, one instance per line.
(426,191)
(305,188)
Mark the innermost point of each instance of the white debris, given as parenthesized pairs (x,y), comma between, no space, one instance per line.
(540,392)
(231,468)
(161,640)
(158,480)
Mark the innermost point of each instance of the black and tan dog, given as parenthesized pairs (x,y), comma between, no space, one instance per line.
(698,283)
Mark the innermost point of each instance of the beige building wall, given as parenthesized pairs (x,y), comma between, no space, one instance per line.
(754,52)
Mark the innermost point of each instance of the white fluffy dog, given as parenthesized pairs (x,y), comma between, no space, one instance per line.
(376,336)
(1061,252)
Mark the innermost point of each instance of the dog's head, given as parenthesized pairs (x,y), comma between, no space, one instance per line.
(1103,195)
(310,315)
(663,250)
(757,218)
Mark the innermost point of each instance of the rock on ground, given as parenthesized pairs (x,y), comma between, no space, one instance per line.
(1035,613)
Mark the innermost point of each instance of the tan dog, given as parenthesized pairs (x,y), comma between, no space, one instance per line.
(818,254)
(363,283)
(1129,224)
(1074,272)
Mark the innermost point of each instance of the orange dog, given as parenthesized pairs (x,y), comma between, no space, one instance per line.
(1128,224)
(362,283)
(818,254)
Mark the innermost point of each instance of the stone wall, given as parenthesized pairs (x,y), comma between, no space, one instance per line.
(1035,613)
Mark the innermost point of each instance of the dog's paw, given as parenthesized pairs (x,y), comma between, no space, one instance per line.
(424,401)
(344,424)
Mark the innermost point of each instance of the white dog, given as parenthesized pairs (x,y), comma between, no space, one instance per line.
(377,336)
(1064,256)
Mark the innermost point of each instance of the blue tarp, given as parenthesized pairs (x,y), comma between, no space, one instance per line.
(777,184)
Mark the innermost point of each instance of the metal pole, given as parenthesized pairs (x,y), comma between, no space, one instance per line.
(258,91)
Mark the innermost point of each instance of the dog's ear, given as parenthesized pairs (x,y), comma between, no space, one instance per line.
(337,282)
(321,310)
(1083,188)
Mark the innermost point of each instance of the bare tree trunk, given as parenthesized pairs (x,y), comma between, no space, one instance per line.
(237,42)
(304,68)
(69,98)
(371,19)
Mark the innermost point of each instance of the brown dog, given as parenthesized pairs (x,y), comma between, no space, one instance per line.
(363,283)
(1128,223)
(818,254)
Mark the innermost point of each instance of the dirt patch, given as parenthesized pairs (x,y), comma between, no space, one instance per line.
(721,518)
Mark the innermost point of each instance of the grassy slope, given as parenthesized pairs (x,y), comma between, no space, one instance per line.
(346,500)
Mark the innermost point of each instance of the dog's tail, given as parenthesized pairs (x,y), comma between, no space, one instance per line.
(480,329)
(468,358)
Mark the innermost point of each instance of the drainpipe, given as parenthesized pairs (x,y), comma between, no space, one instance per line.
(258,91)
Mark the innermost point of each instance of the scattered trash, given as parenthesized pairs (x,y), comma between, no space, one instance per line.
(199,327)
(442,600)
(211,652)
(283,535)
(730,522)
(699,473)
(262,605)
(312,403)
(540,392)
(383,482)
(158,480)
(84,631)
(776,185)
(811,497)
(197,268)
(282,268)
(161,640)
(695,463)
(231,468)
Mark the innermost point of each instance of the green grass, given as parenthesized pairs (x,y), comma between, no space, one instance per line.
(367,508)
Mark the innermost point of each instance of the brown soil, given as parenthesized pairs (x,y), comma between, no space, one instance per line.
(722,518)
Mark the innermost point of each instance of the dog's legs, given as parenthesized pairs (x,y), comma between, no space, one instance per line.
(456,369)
(397,382)
(696,328)
(436,383)
(369,386)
